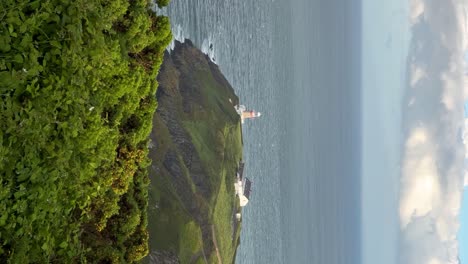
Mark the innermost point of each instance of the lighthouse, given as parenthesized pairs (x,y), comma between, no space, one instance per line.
(246,114)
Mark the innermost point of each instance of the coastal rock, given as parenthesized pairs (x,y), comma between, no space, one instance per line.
(164,257)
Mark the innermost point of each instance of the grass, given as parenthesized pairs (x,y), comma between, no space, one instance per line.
(224,146)
(190,241)
(222,217)
(226,201)
(173,228)
(166,213)
(213,127)
(170,219)
(200,260)
(213,259)
(208,151)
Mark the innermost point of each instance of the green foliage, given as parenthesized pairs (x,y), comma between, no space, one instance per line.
(190,241)
(77,85)
(162,3)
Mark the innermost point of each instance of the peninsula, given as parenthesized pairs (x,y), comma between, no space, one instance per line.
(196,149)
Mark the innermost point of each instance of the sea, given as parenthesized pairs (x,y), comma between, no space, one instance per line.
(298,62)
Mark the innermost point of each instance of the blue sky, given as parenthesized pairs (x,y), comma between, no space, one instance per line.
(463,234)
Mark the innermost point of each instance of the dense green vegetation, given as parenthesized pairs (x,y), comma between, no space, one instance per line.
(162,3)
(77,85)
(198,126)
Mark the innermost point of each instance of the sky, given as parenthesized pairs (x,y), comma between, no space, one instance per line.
(385,45)
(463,234)
(413,154)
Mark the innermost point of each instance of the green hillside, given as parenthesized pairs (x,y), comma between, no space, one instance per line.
(196,148)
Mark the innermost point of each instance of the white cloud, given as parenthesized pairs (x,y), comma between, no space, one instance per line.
(419,177)
(433,155)
(465,82)
(434,261)
(417,74)
(465,183)
(417,9)
(451,83)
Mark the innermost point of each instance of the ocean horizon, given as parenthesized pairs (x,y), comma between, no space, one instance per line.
(298,63)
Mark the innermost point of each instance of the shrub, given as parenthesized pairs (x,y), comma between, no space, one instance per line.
(73,74)
(162,3)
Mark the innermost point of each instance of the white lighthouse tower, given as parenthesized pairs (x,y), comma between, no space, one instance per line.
(246,114)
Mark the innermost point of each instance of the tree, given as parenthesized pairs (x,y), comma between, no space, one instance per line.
(162,3)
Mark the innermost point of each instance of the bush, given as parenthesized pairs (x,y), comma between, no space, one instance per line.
(77,80)
(162,3)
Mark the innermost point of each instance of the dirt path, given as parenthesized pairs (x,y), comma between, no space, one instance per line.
(216,245)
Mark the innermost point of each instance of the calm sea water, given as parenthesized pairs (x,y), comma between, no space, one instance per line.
(298,62)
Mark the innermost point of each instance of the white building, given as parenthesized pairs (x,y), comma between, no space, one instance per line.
(243,191)
(246,114)
(242,186)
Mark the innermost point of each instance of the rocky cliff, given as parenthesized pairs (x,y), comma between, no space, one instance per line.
(196,147)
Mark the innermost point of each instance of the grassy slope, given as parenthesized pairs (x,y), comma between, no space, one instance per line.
(213,128)
(77,85)
(224,207)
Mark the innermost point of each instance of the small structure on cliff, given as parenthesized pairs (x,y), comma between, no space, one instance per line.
(243,186)
(246,114)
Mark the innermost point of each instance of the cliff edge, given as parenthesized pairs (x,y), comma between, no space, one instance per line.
(196,148)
